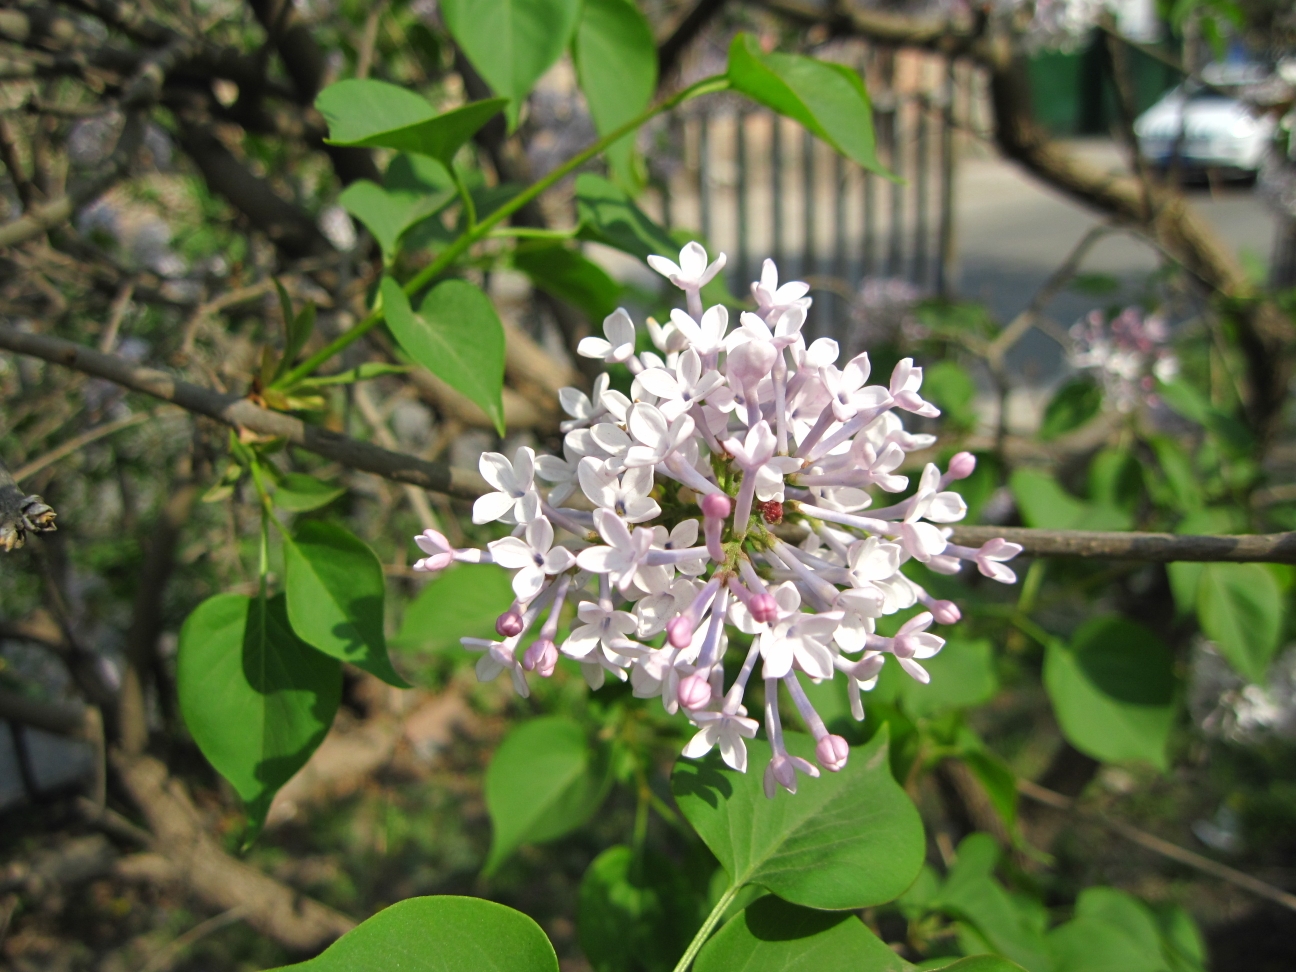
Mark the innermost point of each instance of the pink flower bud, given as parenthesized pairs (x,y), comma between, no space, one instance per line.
(694,692)
(961,465)
(509,624)
(541,657)
(764,609)
(716,505)
(679,631)
(832,752)
(945,612)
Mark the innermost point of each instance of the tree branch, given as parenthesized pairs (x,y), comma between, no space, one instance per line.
(1273,548)
(685,31)
(241,413)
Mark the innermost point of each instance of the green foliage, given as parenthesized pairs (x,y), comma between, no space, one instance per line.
(827,99)
(335,591)
(457,336)
(845,840)
(608,215)
(375,114)
(299,493)
(1113,691)
(512,42)
(1240,608)
(463,602)
(445,933)
(616,64)
(1073,405)
(569,275)
(256,698)
(636,912)
(390,213)
(544,781)
(1045,504)
(953,391)
(963,675)
(771,935)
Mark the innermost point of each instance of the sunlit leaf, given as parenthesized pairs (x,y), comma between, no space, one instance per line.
(845,840)
(608,215)
(461,603)
(1073,405)
(544,781)
(299,493)
(457,336)
(1240,608)
(445,933)
(256,698)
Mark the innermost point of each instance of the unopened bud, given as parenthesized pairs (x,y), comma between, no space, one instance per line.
(832,752)
(541,657)
(764,609)
(716,505)
(961,465)
(509,624)
(679,631)
(694,692)
(945,612)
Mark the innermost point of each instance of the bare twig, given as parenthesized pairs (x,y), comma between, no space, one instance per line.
(240,413)
(1155,844)
(1273,548)
(78,442)
(167,955)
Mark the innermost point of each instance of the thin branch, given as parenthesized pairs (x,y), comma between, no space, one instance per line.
(1155,844)
(686,29)
(1273,548)
(78,442)
(167,955)
(240,413)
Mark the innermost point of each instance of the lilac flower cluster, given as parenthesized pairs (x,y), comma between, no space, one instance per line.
(684,501)
(1129,354)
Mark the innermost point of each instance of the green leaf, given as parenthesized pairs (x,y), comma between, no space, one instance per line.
(635,914)
(1113,691)
(1240,608)
(457,336)
(845,840)
(1074,404)
(616,65)
(256,698)
(388,215)
(771,935)
(608,216)
(1043,503)
(335,590)
(963,675)
(299,493)
(827,99)
(971,893)
(953,391)
(1115,479)
(297,329)
(983,963)
(445,933)
(1111,932)
(463,602)
(544,781)
(375,114)
(511,42)
(1183,482)
(1181,939)
(569,275)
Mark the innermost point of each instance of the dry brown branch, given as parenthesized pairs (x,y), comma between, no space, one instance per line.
(1155,844)
(221,882)
(1273,548)
(79,442)
(240,413)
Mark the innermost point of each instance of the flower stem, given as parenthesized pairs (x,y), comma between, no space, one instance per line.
(483,227)
(707,928)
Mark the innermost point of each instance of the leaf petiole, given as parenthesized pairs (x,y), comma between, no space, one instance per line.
(707,928)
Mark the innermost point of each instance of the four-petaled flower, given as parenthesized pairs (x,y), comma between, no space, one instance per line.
(515,500)
(619,346)
(725,729)
(533,559)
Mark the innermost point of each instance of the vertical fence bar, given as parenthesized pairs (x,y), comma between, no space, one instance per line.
(744,246)
(808,268)
(839,241)
(704,177)
(945,244)
(868,245)
(895,245)
(776,186)
(922,178)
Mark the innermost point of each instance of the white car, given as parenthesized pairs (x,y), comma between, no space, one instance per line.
(1207,129)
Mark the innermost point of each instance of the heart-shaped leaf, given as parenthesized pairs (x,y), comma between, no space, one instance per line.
(609,216)
(827,99)
(256,698)
(1113,691)
(544,781)
(387,214)
(845,840)
(445,933)
(335,590)
(771,935)
(1240,608)
(511,42)
(457,336)
(616,65)
(375,114)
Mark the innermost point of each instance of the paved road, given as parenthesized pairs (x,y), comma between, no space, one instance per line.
(1013,232)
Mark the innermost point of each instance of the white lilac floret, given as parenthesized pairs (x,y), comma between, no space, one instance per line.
(731,444)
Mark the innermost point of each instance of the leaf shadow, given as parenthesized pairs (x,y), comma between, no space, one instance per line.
(703,780)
